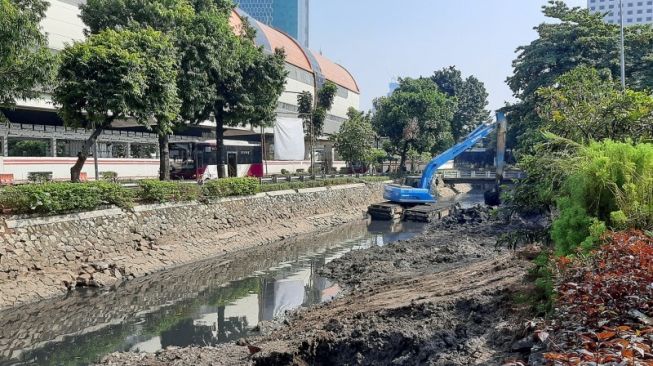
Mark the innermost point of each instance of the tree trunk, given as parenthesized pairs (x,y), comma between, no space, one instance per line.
(402,164)
(76,170)
(164,157)
(219,142)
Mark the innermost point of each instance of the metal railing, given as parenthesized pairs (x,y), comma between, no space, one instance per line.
(480,174)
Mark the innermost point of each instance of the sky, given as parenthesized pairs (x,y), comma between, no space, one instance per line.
(378,40)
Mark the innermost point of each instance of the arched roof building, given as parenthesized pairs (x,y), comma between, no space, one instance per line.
(296,55)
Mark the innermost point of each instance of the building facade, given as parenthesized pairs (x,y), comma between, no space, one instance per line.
(131,150)
(635,11)
(289,16)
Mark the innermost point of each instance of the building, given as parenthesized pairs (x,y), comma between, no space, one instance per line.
(394,84)
(131,150)
(289,16)
(635,11)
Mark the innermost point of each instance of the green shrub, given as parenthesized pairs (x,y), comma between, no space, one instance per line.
(58,198)
(154,191)
(110,176)
(610,185)
(285,172)
(39,177)
(231,187)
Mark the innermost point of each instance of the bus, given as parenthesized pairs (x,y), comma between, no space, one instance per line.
(197,160)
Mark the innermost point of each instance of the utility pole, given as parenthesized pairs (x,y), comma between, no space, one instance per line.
(95,163)
(622,46)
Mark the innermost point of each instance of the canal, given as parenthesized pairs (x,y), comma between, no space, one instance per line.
(202,304)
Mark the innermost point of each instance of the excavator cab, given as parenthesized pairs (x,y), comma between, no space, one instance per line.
(412,181)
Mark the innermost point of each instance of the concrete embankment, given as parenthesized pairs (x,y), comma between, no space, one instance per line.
(46,257)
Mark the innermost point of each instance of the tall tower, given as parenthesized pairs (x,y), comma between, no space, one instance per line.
(289,16)
(635,11)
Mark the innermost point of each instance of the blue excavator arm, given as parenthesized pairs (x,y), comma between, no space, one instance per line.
(422,194)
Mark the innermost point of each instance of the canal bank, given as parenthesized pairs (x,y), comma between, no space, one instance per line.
(46,257)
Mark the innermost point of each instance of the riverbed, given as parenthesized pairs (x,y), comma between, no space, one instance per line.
(203,304)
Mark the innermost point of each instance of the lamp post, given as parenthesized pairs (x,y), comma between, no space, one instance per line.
(622,47)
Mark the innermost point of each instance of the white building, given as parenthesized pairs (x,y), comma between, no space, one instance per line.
(37,119)
(635,11)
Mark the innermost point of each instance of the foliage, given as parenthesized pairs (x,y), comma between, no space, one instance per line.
(154,191)
(116,75)
(231,187)
(110,176)
(575,37)
(30,148)
(416,115)
(39,177)
(172,17)
(471,97)
(58,198)
(546,169)
(26,63)
(319,183)
(586,104)
(355,140)
(604,305)
(609,186)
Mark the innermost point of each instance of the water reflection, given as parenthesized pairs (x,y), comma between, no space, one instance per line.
(203,304)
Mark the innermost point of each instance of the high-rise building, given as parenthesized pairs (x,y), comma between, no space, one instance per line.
(635,11)
(290,16)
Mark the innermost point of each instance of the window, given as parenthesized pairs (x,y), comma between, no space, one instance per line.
(648,19)
(639,19)
(640,11)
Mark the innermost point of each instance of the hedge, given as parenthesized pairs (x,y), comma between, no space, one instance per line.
(58,198)
(229,187)
(154,191)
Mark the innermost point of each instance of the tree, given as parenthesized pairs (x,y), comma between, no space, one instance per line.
(173,17)
(314,116)
(25,61)
(116,75)
(416,115)
(585,105)
(576,37)
(355,139)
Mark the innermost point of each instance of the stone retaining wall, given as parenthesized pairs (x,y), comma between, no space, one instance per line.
(45,257)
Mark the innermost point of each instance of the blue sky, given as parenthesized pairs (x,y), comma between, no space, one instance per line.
(381,39)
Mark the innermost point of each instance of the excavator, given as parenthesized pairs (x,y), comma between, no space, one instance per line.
(409,196)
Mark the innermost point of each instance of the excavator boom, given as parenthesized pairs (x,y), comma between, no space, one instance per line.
(406,194)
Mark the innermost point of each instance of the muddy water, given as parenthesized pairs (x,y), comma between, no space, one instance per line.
(203,304)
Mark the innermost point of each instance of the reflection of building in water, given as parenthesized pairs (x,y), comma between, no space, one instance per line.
(214,325)
(299,288)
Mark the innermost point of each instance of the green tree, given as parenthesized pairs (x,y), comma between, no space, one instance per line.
(314,114)
(226,77)
(173,17)
(355,139)
(116,75)
(416,115)
(26,64)
(586,105)
(575,37)
(471,96)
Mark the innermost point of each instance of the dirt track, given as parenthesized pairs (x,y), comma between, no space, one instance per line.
(443,298)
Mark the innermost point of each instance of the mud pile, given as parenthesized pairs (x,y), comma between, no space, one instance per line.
(442,298)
